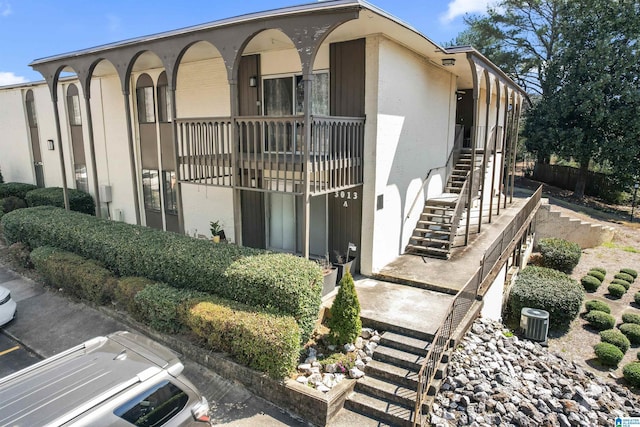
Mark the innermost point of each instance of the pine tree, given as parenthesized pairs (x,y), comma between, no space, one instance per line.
(345,323)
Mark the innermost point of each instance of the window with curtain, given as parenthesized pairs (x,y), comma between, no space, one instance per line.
(170,194)
(146,109)
(151,189)
(73,105)
(164,104)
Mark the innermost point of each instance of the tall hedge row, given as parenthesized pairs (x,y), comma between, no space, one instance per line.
(79,201)
(15,189)
(281,282)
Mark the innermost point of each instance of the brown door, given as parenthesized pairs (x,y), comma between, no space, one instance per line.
(345,223)
(253,219)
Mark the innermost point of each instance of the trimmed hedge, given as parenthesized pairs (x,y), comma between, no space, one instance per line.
(559,254)
(617,338)
(630,271)
(78,276)
(126,291)
(597,274)
(624,276)
(16,189)
(597,305)
(632,331)
(616,290)
(263,341)
(608,354)
(12,203)
(631,373)
(79,201)
(600,320)
(636,298)
(590,283)
(280,282)
(600,269)
(547,289)
(158,306)
(631,318)
(621,282)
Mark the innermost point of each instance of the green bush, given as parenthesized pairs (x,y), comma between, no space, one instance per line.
(630,271)
(126,291)
(547,289)
(158,306)
(636,298)
(343,361)
(559,254)
(600,320)
(616,290)
(80,277)
(597,274)
(12,203)
(281,282)
(79,201)
(344,321)
(624,276)
(616,338)
(20,254)
(15,189)
(597,305)
(600,269)
(631,373)
(621,282)
(632,331)
(631,318)
(608,354)
(263,341)
(590,283)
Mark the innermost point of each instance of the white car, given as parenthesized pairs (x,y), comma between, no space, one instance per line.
(7,306)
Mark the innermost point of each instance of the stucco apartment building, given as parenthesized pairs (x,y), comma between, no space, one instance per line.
(301,129)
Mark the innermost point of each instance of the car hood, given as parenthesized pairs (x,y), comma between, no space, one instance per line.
(4,292)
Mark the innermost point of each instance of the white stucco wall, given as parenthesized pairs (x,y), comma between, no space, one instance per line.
(203,204)
(16,161)
(414,127)
(492,300)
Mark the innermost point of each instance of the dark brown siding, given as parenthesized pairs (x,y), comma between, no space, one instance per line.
(148,146)
(248,96)
(77,141)
(347,78)
(253,217)
(166,145)
(345,218)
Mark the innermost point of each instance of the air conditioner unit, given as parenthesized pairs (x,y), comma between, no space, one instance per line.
(535,324)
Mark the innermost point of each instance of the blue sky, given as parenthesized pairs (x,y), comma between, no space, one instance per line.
(32,29)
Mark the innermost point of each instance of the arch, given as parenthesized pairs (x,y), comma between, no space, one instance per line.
(193,51)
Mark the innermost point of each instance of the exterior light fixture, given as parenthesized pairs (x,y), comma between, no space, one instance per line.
(50,144)
(448,62)
(253,81)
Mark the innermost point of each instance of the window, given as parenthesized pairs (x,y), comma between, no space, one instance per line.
(31,113)
(170,194)
(146,109)
(151,189)
(164,104)
(73,105)
(82,181)
(155,406)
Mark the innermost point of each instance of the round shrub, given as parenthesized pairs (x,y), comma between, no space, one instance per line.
(630,271)
(600,320)
(547,289)
(559,254)
(594,304)
(608,354)
(17,189)
(631,318)
(590,283)
(345,322)
(12,203)
(617,338)
(600,269)
(624,276)
(632,331)
(624,283)
(616,290)
(597,274)
(631,373)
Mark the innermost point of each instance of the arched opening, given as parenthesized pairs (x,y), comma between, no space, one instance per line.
(34,137)
(74,121)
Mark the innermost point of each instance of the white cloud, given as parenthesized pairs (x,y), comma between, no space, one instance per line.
(5,8)
(458,8)
(9,78)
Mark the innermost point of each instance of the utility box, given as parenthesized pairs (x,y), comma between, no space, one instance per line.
(534,324)
(105,194)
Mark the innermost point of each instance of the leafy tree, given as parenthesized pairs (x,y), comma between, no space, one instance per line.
(590,108)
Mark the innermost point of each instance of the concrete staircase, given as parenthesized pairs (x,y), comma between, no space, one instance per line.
(435,230)
(387,393)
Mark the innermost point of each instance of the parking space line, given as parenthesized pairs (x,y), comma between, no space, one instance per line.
(2,353)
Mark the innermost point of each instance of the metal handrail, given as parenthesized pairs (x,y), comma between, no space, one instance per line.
(461,303)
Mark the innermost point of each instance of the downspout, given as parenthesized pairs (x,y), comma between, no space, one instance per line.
(56,115)
(132,161)
(485,146)
(92,150)
(174,134)
(474,137)
(494,151)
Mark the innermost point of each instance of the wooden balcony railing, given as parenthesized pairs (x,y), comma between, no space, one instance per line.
(270,152)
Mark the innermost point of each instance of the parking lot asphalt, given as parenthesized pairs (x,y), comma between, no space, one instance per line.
(48,322)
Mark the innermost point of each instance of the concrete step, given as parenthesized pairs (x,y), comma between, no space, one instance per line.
(427,251)
(347,417)
(405,343)
(399,358)
(396,374)
(384,410)
(386,390)
(444,230)
(442,242)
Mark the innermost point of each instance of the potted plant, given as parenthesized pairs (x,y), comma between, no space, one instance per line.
(330,274)
(216,231)
(345,262)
